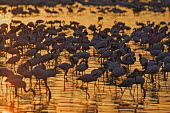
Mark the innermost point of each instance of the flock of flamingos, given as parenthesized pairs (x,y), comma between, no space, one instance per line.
(41,47)
(137,6)
(109,45)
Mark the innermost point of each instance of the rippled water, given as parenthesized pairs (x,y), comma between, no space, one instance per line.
(108,98)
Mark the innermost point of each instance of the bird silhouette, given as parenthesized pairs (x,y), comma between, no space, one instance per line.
(42,74)
(153,69)
(86,78)
(82,66)
(142,60)
(119,71)
(18,83)
(134,78)
(13,60)
(165,70)
(65,67)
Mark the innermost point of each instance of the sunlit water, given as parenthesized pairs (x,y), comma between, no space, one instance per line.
(108,98)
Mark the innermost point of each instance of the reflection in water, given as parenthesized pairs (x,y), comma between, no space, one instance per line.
(52,89)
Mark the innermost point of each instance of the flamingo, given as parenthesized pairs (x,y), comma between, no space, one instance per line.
(47,57)
(22,67)
(126,38)
(166,69)
(84,55)
(5,72)
(102,50)
(71,49)
(87,78)
(49,41)
(166,59)
(106,54)
(107,63)
(82,66)
(153,69)
(31,52)
(99,19)
(65,67)
(128,59)
(155,52)
(155,46)
(98,73)
(142,60)
(137,76)
(42,74)
(32,62)
(135,79)
(12,77)
(41,66)
(113,65)
(56,54)
(18,83)
(39,22)
(28,74)
(13,60)
(123,50)
(162,55)
(140,24)
(119,71)
(40,46)
(74,60)
(12,51)
(101,44)
(31,24)
(85,47)
(51,72)
(128,82)
(136,72)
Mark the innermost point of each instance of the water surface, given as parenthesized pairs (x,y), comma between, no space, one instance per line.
(74,100)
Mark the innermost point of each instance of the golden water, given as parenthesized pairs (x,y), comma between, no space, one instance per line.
(74,100)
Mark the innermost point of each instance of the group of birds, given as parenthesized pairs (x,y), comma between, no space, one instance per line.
(137,6)
(46,46)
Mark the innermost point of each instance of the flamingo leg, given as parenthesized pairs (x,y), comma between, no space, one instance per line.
(87,94)
(144,91)
(152,78)
(130,89)
(49,91)
(96,86)
(122,92)
(16,93)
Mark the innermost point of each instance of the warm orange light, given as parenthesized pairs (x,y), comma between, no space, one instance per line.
(5,112)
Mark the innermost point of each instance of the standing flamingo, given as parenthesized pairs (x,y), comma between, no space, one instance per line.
(153,69)
(142,60)
(13,60)
(129,59)
(166,69)
(65,67)
(87,78)
(135,79)
(119,71)
(82,66)
(42,74)
(18,83)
